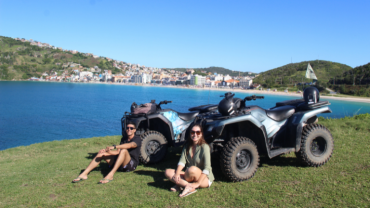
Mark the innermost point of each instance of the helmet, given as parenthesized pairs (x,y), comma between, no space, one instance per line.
(227,106)
(311,95)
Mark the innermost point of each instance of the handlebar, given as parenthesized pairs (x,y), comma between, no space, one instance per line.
(165,102)
(253,97)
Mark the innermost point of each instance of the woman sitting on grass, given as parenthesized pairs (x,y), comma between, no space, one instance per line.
(196,156)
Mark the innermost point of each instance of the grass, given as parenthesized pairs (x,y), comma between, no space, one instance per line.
(40,175)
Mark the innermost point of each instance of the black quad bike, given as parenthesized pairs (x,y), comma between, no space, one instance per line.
(240,133)
(161,128)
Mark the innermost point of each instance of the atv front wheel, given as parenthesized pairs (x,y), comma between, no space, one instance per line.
(317,145)
(153,147)
(239,159)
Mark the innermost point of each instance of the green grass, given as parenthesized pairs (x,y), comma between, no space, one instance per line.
(40,175)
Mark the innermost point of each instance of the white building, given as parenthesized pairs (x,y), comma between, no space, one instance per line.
(245,82)
(197,80)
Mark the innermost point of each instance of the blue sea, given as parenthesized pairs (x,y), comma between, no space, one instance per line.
(33,112)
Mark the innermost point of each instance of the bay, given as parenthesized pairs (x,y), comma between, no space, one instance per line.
(33,112)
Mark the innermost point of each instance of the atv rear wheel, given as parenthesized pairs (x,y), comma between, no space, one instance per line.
(239,159)
(317,145)
(153,147)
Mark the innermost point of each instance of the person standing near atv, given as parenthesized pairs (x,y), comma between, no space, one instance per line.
(125,158)
(196,156)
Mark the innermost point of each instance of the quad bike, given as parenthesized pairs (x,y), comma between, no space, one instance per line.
(161,128)
(240,133)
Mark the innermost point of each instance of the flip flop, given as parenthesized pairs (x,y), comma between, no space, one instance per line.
(79,179)
(176,188)
(105,179)
(188,193)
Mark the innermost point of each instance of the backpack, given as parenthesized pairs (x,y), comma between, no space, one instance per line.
(146,108)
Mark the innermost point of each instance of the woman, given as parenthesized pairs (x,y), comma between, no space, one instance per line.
(196,155)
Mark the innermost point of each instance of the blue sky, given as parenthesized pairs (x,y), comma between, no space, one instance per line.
(239,35)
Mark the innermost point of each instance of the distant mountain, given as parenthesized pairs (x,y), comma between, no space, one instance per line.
(214,69)
(295,73)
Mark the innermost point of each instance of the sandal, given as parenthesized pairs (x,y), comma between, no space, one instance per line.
(78,179)
(187,192)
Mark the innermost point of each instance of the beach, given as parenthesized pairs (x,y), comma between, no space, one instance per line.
(251,91)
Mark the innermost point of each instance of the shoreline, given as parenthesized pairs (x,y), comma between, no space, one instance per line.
(260,92)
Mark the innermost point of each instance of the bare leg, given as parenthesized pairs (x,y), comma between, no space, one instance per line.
(193,173)
(94,163)
(169,173)
(122,160)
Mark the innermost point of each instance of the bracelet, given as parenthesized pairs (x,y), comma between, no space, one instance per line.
(114,146)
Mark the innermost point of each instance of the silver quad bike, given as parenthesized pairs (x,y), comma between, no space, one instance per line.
(240,133)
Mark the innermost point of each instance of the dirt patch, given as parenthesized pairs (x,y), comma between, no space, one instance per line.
(52,196)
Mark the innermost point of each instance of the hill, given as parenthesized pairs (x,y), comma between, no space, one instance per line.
(355,81)
(21,60)
(215,69)
(40,175)
(294,73)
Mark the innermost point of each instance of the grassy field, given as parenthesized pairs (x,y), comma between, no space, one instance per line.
(40,175)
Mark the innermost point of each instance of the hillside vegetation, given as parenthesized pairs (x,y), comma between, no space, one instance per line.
(355,81)
(291,74)
(40,175)
(20,60)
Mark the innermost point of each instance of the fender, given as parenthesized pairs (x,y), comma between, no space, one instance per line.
(218,126)
(298,119)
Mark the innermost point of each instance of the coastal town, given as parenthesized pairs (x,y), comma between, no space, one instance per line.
(137,74)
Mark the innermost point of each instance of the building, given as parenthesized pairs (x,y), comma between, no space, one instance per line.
(245,83)
(197,80)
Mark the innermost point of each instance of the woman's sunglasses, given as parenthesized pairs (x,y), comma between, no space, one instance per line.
(131,128)
(195,132)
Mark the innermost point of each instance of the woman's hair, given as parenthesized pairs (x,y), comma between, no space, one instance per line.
(189,141)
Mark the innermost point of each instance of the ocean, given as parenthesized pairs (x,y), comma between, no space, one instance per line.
(33,112)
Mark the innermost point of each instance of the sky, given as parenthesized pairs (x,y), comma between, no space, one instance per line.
(244,35)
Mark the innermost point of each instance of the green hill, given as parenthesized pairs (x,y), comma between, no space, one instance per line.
(357,76)
(355,81)
(294,73)
(20,60)
(40,175)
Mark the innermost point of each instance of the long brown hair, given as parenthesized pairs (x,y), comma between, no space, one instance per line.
(189,142)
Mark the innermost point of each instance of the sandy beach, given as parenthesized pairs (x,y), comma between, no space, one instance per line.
(259,92)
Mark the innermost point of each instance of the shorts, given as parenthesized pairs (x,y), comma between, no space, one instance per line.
(209,183)
(131,166)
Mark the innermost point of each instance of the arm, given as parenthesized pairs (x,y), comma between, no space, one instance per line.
(180,166)
(130,145)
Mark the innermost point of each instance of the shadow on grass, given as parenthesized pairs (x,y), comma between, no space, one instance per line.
(281,161)
(103,167)
(159,180)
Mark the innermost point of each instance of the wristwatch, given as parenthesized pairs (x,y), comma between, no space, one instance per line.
(114,146)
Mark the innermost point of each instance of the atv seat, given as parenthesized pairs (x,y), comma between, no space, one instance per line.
(187,116)
(204,108)
(280,113)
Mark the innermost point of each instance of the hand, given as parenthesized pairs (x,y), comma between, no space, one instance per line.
(108,149)
(176,178)
(102,151)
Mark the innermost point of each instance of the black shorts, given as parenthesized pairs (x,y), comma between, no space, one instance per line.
(131,166)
